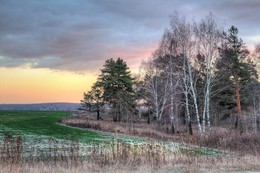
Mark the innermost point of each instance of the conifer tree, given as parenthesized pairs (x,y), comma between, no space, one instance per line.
(238,70)
(93,100)
(116,81)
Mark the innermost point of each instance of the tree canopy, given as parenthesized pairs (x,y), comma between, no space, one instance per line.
(93,100)
(116,81)
(239,70)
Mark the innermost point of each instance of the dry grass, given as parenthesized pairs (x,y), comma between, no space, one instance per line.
(219,138)
(228,139)
(178,163)
(86,168)
(125,157)
(140,129)
(116,157)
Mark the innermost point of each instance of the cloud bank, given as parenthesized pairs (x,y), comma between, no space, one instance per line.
(80,35)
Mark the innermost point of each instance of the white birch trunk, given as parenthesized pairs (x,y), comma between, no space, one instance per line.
(254,115)
(186,94)
(194,96)
(171,96)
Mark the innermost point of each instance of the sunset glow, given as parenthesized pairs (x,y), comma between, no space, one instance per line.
(24,85)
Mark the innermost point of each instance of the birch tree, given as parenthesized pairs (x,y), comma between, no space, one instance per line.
(176,46)
(166,54)
(156,86)
(253,91)
(188,41)
(185,46)
(181,44)
(209,36)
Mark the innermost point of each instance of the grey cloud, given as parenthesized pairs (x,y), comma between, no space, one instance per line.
(244,14)
(79,35)
(10,62)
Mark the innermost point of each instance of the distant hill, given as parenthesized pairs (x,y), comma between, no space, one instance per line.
(41,106)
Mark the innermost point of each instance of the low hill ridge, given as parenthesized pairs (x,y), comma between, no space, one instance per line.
(59,106)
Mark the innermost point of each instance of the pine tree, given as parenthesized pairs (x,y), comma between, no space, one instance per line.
(116,81)
(93,100)
(236,67)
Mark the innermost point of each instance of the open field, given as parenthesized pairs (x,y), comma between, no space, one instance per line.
(34,141)
(44,123)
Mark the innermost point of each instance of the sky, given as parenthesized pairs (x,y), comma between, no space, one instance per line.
(53,50)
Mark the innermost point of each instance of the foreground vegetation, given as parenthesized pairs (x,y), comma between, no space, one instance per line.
(34,141)
(120,157)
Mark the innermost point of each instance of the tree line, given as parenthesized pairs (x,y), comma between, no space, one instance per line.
(198,76)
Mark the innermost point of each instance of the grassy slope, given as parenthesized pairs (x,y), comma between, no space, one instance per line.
(44,123)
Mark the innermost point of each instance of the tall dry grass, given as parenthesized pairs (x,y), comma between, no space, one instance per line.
(228,139)
(140,129)
(118,156)
(219,137)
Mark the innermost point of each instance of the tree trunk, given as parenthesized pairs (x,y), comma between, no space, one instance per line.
(208,115)
(190,128)
(254,116)
(98,114)
(115,117)
(171,96)
(188,113)
(115,113)
(149,117)
(204,115)
(236,122)
(172,126)
(194,96)
(239,112)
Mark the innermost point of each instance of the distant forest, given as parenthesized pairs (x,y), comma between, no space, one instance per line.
(41,106)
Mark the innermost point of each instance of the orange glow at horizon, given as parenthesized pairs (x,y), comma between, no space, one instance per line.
(25,85)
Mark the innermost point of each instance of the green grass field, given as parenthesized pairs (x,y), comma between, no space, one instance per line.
(37,128)
(41,133)
(40,124)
